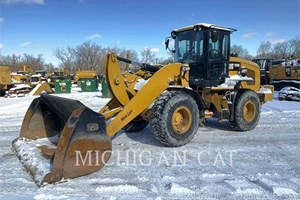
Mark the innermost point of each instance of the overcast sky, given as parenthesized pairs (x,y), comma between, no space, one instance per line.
(40,26)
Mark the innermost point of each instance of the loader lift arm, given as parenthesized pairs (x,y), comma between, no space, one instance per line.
(125,109)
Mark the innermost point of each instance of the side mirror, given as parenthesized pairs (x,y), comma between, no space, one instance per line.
(167,43)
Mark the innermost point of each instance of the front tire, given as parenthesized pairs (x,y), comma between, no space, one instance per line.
(175,118)
(246,111)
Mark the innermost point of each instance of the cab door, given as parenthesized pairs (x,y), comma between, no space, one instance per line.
(218,56)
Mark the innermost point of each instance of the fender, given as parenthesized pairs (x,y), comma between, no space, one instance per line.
(198,98)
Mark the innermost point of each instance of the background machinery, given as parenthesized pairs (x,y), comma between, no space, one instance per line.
(61,74)
(80,74)
(264,64)
(285,74)
(279,73)
(174,99)
(5,79)
(22,76)
(38,77)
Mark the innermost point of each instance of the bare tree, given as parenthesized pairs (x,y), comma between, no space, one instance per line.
(66,56)
(169,59)
(295,47)
(5,60)
(132,55)
(125,53)
(35,63)
(49,67)
(87,56)
(264,50)
(148,56)
(16,62)
(240,51)
(282,50)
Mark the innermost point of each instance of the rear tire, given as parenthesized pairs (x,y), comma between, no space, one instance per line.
(246,111)
(175,118)
(136,125)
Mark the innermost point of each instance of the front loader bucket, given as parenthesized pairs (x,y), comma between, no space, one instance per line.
(47,116)
(78,134)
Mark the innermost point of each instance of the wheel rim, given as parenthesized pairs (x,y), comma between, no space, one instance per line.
(181,119)
(249,111)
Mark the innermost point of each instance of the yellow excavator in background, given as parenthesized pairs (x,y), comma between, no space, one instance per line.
(279,73)
(174,99)
(285,74)
(5,79)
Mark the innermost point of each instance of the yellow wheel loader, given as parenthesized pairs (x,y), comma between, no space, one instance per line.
(174,99)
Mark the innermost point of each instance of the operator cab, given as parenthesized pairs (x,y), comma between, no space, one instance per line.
(206,48)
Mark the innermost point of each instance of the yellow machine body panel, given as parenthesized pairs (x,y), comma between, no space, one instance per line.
(5,78)
(40,88)
(84,74)
(279,72)
(253,71)
(16,77)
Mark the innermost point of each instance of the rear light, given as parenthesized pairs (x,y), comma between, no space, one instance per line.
(234,66)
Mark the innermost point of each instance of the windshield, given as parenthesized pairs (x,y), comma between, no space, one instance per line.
(189,46)
(261,63)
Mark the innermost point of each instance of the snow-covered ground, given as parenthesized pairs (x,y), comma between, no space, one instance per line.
(219,163)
